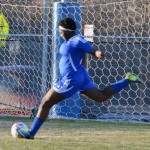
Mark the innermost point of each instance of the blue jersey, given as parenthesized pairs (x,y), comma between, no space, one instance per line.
(72,53)
(74,76)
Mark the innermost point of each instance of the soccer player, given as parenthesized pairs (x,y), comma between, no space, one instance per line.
(74,76)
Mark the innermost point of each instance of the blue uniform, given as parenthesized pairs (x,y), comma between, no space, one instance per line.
(74,76)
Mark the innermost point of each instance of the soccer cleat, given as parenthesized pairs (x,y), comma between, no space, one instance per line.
(24,134)
(133,78)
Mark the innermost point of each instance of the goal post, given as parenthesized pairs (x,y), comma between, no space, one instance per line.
(45,47)
(69,107)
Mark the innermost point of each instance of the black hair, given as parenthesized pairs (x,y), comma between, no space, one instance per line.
(68,23)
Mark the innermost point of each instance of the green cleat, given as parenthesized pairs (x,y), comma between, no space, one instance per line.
(24,134)
(133,78)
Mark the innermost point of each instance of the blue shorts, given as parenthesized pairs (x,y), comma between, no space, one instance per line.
(79,81)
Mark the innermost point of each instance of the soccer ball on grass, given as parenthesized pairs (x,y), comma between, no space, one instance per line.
(18,126)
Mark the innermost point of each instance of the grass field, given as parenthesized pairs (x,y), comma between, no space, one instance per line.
(77,135)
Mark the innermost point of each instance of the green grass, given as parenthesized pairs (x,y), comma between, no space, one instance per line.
(77,135)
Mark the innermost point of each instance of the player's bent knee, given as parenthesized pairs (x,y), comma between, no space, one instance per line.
(45,104)
(50,99)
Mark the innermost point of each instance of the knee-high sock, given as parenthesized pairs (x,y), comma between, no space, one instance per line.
(118,86)
(37,123)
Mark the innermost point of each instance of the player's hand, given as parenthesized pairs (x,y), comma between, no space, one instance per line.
(99,54)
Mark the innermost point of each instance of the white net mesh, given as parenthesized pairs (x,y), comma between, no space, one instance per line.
(120,29)
(21,58)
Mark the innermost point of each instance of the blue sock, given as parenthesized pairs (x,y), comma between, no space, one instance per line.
(118,86)
(37,123)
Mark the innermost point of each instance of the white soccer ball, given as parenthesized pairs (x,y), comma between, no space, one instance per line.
(16,126)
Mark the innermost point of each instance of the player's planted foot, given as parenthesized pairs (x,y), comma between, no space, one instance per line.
(133,78)
(25,134)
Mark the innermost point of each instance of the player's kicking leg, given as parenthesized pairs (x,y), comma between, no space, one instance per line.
(109,91)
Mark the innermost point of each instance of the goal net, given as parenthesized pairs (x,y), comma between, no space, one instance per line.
(118,28)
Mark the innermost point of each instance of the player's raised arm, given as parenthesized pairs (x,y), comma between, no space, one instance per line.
(97,53)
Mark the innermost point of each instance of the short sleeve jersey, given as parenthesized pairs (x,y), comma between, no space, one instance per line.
(72,53)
